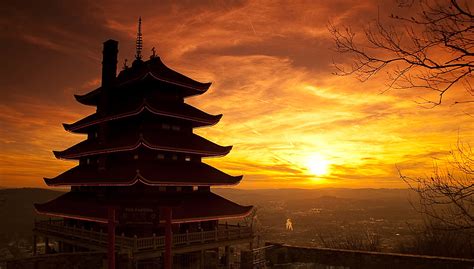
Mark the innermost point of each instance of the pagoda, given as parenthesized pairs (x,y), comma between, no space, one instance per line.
(140,191)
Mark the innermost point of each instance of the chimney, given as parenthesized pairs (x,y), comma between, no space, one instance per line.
(109,62)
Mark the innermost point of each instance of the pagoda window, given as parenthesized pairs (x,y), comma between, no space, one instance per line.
(195,188)
(135,157)
(174,157)
(187,158)
(178,189)
(88,161)
(101,162)
(171,189)
(176,128)
(165,126)
(204,188)
(160,156)
(187,188)
(162,188)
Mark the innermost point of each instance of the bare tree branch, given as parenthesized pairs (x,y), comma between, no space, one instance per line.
(448,195)
(433,50)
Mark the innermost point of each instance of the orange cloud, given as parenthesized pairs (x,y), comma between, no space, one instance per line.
(271,68)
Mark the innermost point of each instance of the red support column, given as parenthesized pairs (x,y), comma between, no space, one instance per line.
(111,238)
(168,238)
(34,245)
(46,245)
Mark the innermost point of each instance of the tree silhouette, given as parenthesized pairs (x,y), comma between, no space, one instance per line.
(447,196)
(433,49)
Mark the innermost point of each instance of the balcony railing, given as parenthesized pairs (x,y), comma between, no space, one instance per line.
(223,233)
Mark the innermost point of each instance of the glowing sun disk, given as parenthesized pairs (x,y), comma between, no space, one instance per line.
(318,165)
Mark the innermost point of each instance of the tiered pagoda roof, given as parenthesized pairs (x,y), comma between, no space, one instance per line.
(158,140)
(142,133)
(187,207)
(182,111)
(149,173)
(142,130)
(153,71)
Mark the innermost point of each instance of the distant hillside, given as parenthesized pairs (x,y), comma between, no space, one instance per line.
(17,212)
(288,195)
(16,208)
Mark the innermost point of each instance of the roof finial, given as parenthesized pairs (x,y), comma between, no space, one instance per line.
(139,43)
(153,51)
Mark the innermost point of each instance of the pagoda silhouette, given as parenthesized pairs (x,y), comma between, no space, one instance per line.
(140,192)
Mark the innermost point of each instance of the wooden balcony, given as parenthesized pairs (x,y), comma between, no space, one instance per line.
(184,242)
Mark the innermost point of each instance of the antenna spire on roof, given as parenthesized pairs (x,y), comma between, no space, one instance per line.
(139,43)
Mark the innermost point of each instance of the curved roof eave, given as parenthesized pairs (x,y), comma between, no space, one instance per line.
(138,178)
(224,150)
(145,106)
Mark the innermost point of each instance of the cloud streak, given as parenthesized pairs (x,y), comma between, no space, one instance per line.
(271,68)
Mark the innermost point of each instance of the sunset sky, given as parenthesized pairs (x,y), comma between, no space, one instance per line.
(293,123)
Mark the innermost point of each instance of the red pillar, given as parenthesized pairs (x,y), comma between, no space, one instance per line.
(111,238)
(34,245)
(46,245)
(168,238)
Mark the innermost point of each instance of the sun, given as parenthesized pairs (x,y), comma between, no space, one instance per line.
(318,165)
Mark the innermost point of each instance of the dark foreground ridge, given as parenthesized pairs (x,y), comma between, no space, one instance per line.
(286,256)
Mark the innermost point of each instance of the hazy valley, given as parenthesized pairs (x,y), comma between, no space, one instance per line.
(328,214)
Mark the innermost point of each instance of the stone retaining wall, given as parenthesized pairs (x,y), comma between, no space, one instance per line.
(280,255)
(59,261)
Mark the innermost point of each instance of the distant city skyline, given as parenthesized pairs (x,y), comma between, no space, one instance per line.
(292,122)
